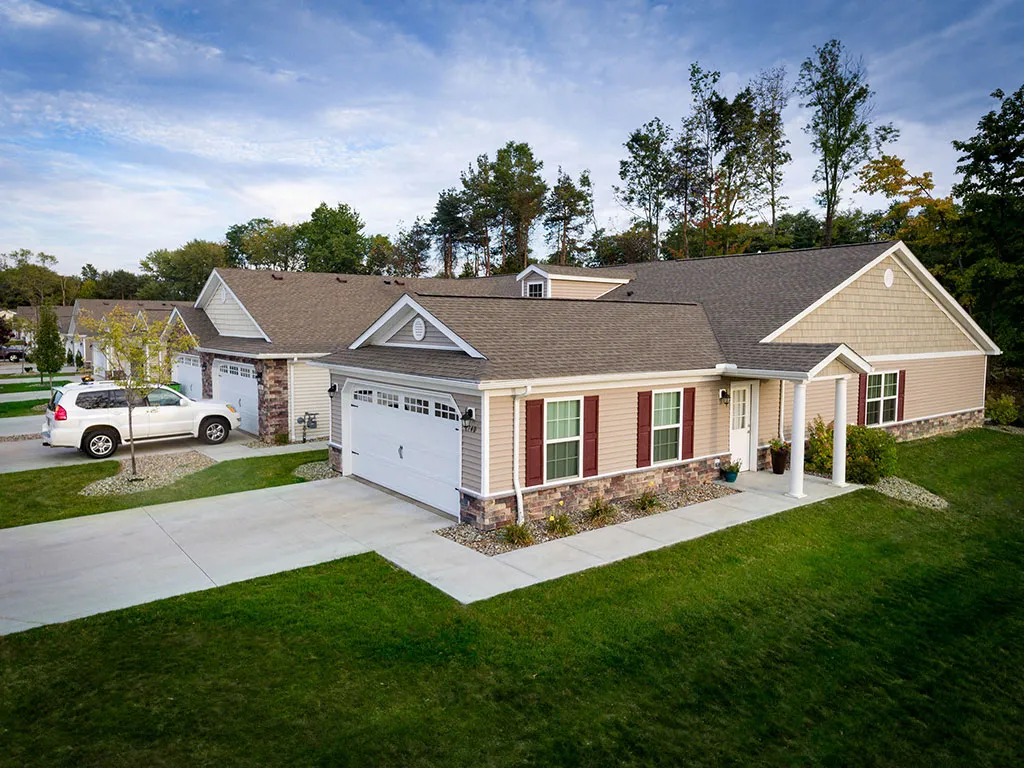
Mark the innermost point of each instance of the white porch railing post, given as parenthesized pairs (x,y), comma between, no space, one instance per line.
(796,461)
(839,436)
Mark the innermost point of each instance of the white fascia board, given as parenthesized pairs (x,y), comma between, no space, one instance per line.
(588,279)
(952,306)
(601,380)
(212,279)
(407,304)
(532,269)
(850,358)
(401,379)
(263,355)
(863,270)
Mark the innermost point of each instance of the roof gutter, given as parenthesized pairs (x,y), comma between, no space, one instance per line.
(263,355)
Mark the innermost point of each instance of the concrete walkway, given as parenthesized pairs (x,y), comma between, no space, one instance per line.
(67,569)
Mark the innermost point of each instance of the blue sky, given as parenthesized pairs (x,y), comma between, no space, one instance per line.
(126,127)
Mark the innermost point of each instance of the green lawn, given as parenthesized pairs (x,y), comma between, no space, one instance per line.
(859,631)
(41,495)
(27,386)
(22,408)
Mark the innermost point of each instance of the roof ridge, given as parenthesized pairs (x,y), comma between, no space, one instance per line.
(756,253)
(560,298)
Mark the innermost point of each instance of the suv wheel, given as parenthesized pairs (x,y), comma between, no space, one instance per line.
(12,357)
(214,430)
(100,443)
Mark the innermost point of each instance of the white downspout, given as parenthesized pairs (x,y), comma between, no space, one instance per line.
(520,512)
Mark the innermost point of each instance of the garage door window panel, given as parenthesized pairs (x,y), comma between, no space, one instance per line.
(363,395)
(562,438)
(445,411)
(387,399)
(417,405)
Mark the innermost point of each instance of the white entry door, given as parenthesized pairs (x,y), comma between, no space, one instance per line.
(188,373)
(739,424)
(235,384)
(408,442)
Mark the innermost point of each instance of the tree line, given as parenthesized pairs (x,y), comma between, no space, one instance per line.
(710,186)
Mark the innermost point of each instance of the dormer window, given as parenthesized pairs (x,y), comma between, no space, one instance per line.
(535,290)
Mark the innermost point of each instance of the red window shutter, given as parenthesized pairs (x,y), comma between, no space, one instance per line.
(689,399)
(534,442)
(862,400)
(902,390)
(643,429)
(590,410)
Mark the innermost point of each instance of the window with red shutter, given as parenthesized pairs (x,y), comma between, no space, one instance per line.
(643,429)
(590,429)
(534,442)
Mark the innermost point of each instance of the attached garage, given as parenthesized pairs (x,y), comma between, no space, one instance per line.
(235,384)
(408,441)
(189,374)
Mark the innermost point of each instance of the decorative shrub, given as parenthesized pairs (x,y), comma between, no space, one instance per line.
(281,438)
(1002,410)
(647,502)
(517,534)
(78,360)
(874,448)
(735,466)
(600,512)
(70,358)
(819,447)
(560,525)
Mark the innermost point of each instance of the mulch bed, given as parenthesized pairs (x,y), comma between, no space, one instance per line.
(155,471)
(493,543)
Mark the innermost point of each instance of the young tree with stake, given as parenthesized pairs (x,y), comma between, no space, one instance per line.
(138,356)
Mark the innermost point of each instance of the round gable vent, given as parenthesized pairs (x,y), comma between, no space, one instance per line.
(887,278)
(419,329)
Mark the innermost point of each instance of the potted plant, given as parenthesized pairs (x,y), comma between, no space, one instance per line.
(730,471)
(780,454)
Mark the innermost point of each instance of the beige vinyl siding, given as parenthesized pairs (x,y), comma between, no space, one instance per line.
(617,429)
(875,320)
(337,409)
(835,368)
(431,338)
(309,393)
(579,289)
(228,317)
(934,386)
(471,443)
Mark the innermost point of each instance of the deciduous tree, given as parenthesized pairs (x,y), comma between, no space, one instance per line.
(647,176)
(332,240)
(48,346)
(769,156)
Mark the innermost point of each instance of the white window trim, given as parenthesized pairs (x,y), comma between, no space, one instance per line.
(543,289)
(679,441)
(578,438)
(881,400)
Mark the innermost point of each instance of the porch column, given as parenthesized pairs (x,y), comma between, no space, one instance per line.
(839,436)
(796,460)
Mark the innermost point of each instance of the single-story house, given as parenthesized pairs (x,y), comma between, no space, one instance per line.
(81,341)
(498,398)
(29,320)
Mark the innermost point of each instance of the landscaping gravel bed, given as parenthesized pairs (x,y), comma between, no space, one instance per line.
(315,470)
(1009,429)
(493,543)
(904,490)
(265,444)
(156,471)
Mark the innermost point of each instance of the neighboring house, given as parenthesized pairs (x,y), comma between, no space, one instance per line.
(28,318)
(80,340)
(256,333)
(469,397)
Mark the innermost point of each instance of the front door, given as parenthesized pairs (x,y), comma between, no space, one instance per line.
(739,424)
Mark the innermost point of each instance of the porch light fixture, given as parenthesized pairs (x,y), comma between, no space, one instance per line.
(724,397)
(332,390)
(468,416)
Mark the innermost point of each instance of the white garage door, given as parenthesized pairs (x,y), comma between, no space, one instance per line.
(408,442)
(235,384)
(188,373)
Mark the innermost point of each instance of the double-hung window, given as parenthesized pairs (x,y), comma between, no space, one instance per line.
(535,290)
(666,426)
(562,442)
(882,398)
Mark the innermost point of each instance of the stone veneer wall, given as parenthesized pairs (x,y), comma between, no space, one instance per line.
(488,514)
(334,457)
(938,425)
(272,390)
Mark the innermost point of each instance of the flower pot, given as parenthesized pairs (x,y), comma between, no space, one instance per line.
(779,459)
(729,477)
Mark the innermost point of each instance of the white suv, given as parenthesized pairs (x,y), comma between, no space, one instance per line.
(94,418)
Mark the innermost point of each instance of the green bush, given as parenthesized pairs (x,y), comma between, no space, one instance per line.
(517,534)
(600,512)
(70,358)
(560,525)
(870,454)
(78,360)
(647,502)
(819,448)
(281,438)
(1002,410)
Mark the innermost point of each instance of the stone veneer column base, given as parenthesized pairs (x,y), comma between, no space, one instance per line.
(334,457)
(488,514)
(914,430)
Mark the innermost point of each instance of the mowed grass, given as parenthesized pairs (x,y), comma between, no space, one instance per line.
(859,631)
(23,408)
(27,386)
(41,495)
